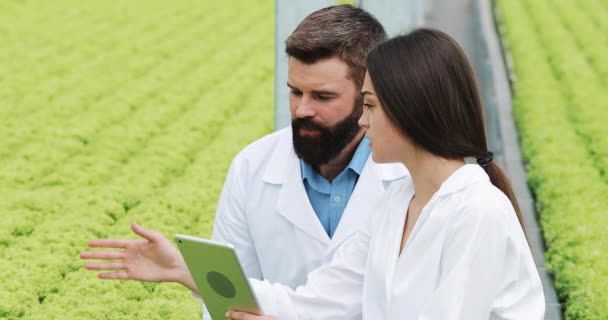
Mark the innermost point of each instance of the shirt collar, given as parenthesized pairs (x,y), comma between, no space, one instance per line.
(463,177)
(360,156)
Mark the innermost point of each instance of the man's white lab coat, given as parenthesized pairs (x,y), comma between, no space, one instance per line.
(265,213)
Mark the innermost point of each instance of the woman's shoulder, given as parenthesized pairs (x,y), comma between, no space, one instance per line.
(483,210)
(483,202)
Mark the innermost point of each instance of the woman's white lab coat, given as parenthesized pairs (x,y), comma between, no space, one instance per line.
(466,258)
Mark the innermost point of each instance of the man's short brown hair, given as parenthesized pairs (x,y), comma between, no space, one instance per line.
(344,31)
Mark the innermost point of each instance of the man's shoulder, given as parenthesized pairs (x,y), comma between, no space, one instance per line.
(265,146)
(270,154)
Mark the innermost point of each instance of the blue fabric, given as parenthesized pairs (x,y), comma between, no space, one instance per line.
(329,199)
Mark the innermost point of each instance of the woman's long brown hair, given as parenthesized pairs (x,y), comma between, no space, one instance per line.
(427,87)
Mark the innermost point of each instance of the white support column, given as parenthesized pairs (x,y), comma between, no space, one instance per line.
(397,16)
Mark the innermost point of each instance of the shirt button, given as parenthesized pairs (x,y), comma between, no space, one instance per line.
(337,199)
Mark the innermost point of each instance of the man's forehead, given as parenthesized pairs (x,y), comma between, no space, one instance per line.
(327,74)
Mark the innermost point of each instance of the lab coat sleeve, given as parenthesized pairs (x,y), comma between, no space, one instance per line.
(231,224)
(487,271)
(333,291)
(206,315)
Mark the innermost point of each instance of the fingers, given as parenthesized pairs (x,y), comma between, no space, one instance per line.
(102,255)
(105,266)
(120,275)
(110,243)
(237,315)
(150,235)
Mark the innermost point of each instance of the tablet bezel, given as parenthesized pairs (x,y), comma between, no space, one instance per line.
(204,256)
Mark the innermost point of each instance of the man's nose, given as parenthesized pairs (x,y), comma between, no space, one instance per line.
(304,109)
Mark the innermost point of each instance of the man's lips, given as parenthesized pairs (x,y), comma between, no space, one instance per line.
(309,132)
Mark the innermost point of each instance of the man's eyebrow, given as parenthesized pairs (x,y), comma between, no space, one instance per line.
(319,92)
(325,92)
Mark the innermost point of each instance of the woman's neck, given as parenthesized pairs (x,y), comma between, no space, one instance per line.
(429,172)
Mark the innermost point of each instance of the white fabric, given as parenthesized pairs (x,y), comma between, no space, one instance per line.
(466,258)
(265,213)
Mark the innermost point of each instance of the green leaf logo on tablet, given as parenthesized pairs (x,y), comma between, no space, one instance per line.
(221,284)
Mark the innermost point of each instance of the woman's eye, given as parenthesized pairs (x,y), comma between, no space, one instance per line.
(367,106)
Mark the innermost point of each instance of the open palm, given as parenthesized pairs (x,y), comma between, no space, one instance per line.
(152,258)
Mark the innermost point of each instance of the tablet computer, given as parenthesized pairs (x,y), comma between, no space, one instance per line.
(218,275)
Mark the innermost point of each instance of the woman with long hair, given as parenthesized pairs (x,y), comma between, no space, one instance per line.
(446,243)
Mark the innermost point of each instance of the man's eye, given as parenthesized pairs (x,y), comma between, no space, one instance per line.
(296,93)
(321,97)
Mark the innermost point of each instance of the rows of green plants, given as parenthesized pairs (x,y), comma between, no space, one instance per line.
(559,51)
(114,112)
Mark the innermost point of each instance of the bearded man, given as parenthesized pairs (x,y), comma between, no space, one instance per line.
(294,196)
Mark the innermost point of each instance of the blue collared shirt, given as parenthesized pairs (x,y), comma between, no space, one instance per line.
(329,199)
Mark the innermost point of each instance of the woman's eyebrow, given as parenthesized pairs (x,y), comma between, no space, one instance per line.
(364,93)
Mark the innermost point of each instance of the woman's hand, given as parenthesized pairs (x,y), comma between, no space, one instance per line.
(152,258)
(237,315)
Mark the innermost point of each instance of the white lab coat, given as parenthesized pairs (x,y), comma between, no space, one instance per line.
(265,213)
(466,258)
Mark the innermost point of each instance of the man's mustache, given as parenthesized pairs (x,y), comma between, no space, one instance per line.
(307,124)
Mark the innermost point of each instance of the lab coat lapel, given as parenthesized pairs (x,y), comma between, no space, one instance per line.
(460,179)
(357,211)
(294,205)
(396,208)
(284,169)
(428,232)
(363,202)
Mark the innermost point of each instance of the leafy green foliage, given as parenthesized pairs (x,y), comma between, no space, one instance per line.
(559,55)
(112,112)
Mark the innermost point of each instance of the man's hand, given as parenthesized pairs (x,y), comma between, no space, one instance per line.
(152,258)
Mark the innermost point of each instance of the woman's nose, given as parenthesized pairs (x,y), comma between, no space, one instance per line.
(363,121)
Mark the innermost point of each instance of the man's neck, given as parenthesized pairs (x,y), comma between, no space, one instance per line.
(333,168)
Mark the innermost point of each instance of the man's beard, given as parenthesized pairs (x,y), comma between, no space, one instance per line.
(328,144)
